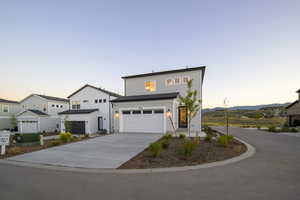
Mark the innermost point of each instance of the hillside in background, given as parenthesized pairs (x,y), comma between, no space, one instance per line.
(256,107)
(247,116)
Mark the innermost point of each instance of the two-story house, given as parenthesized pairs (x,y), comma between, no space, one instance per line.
(293,112)
(90,111)
(151,102)
(39,113)
(8,110)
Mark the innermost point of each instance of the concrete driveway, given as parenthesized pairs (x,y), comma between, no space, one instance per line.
(108,151)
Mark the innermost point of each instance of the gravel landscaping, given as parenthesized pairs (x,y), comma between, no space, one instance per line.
(173,156)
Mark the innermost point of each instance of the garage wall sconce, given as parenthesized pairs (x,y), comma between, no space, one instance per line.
(169,113)
(116,114)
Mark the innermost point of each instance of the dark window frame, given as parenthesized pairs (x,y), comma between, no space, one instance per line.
(159,111)
(126,112)
(136,112)
(147,112)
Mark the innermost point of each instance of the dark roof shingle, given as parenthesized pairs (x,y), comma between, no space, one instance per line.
(148,97)
(38,112)
(8,101)
(81,111)
(295,102)
(100,89)
(167,72)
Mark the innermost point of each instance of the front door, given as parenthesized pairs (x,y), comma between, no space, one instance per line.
(100,123)
(182,112)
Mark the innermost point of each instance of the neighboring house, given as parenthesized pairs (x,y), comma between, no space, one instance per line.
(39,113)
(151,102)
(293,112)
(90,111)
(8,109)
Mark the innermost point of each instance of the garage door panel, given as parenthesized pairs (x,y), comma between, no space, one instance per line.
(29,127)
(152,123)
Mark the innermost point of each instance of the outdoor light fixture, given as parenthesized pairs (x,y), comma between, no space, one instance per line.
(116,115)
(169,114)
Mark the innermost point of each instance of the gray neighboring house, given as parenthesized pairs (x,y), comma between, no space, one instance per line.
(151,103)
(39,113)
(8,109)
(293,112)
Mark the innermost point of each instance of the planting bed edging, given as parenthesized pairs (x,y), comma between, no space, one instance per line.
(249,152)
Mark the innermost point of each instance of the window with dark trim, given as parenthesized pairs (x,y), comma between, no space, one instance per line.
(96,100)
(61,106)
(100,100)
(158,111)
(147,111)
(126,112)
(85,101)
(104,100)
(53,105)
(135,112)
(57,106)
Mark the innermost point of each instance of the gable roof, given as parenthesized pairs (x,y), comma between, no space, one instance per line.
(298,91)
(100,89)
(8,101)
(168,72)
(148,97)
(53,98)
(81,111)
(295,102)
(47,97)
(37,112)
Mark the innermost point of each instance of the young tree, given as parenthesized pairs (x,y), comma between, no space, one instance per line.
(67,124)
(191,102)
(13,122)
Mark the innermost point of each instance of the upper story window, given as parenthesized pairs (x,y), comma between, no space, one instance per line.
(177,80)
(61,106)
(169,82)
(57,106)
(53,105)
(5,108)
(185,79)
(150,86)
(75,105)
(85,101)
(96,100)
(100,100)
(104,100)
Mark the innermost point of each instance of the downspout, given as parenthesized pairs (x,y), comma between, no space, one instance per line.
(109,113)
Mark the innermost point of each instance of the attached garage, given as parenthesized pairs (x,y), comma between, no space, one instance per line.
(147,120)
(35,121)
(76,127)
(29,126)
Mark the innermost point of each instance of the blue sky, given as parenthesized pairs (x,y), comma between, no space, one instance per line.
(251,48)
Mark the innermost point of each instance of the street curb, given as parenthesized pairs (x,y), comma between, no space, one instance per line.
(250,152)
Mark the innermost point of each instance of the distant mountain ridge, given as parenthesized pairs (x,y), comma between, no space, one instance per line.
(256,107)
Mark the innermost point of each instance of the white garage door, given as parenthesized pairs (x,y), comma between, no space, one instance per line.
(146,121)
(29,127)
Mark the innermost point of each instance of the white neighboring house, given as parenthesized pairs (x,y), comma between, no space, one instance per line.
(8,109)
(151,102)
(39,113)
(90,111)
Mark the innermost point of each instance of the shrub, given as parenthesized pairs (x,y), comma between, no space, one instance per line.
(65,137)
(294,130)
(155,148)
(229,137)
(188,147)
(285,129)
(165,144)
(208,138)
(182,136)
(223,141)
(272,129)
(258,127)
(14,150)
(27,137)
(55,143)
(167,136)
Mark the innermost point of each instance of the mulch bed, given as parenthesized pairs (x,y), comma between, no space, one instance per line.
(205,152)
(17,150)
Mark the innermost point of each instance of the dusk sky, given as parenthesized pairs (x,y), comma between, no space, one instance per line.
(251,48)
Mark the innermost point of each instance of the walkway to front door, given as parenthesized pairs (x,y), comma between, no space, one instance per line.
(109,151)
